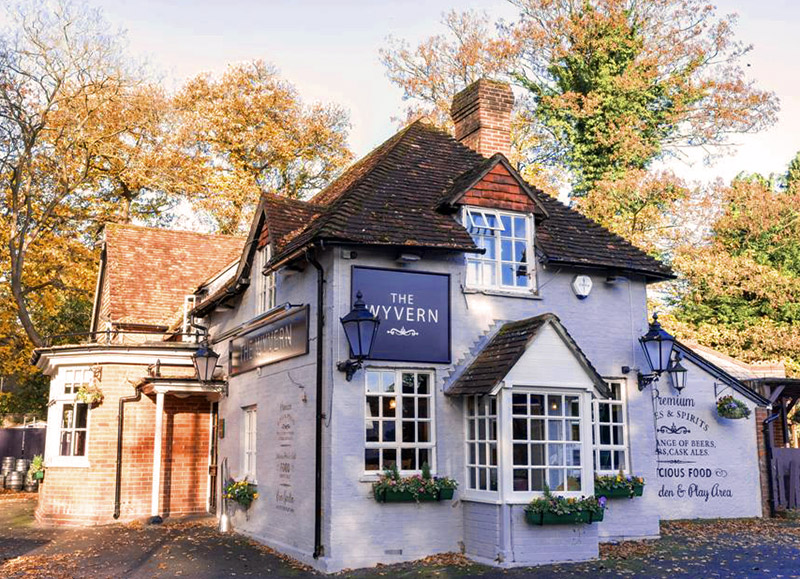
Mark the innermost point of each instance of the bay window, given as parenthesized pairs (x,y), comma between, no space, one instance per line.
(610,432)
(507,239)
(399,424)
(482,464)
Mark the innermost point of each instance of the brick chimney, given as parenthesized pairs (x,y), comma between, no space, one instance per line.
(482,116)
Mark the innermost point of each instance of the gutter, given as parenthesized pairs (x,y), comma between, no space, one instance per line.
(318,548)
(120,421)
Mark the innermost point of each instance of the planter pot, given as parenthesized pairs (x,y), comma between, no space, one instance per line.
(614,493)
(553,519)
(391,496)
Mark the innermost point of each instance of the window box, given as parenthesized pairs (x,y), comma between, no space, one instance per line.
(619,486)
(547,518)
(393,496)
(638,490)
(446,494)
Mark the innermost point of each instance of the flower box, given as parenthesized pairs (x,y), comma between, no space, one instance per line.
(614,493)
(638,490)
(548,518)
(392,496)
(446,494)
(597,517)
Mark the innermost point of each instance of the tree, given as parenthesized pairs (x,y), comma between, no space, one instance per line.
(252,133)
(612,84)
(442,65)
(60,71)
(741,289)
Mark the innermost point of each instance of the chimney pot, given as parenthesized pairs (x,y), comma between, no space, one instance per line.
(482,117)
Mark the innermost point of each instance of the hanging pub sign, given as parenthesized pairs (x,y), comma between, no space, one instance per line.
(273,341)
(414,310)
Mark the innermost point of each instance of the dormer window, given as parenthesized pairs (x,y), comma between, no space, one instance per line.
(507,238)
(265,284)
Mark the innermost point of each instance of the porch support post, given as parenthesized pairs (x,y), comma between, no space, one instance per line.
(155,517)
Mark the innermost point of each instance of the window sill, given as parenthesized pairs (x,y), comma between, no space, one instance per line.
(67,462)
(526,295)
(371,478)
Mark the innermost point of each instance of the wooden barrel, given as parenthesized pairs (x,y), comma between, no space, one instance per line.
(8,463)
(22,465)
(14,481)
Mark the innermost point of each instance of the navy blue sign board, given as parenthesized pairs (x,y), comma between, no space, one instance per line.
(414,310)
(272,341)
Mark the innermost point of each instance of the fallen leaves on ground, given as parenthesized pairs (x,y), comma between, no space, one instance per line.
(626,550)
(61,566)
(445,560)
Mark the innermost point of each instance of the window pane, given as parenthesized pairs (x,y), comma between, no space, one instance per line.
(422,383)
(519,404)
(619,459)
(67,416)
(80,443)
(470,406)
(520,479)
(372,431)
(372,406)
(520,227)
(605,434)
(520,428)
(422,432)
(537,404)
(573,406)
(388,382)
(408,431)
(65,448)
(537,429)
(492,479)
(604,413)
(408,407)
(507,250)
(508,271)
(505,221)
(573,454)
(573,480)
(574,432)
(389,405)
(555,430)
(389,457)
(537,455)
(555,454)
(616,413)
(482,429)
(555,478)
(408,383)
(373,382)
(408,459)
(605,460)
(424,457)
(473,477)
(618,438)
(422,408)
(519,251)
(493,454)
(520,455)
(471,429)
(388,431)
(554,407)
(537,480)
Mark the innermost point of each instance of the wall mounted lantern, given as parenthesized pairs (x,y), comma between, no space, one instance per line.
(678,373)
(205,362)
(657,344)
(360,328)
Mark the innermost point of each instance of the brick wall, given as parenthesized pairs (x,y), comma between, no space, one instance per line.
(85,495)
(499,190)
(482,116)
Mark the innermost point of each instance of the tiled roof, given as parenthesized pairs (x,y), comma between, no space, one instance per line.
(736,368)
(149,271)
(506,347)
(393,197)
(285,218)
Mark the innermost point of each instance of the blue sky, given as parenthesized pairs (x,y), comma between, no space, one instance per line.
(329,50)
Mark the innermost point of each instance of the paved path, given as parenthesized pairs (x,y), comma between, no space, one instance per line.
(740,548)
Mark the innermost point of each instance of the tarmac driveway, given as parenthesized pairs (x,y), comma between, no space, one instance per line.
(737,548)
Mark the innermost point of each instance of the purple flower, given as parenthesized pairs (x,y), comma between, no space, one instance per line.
(602,502)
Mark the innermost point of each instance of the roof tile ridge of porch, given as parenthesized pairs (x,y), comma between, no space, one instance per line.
(460,366)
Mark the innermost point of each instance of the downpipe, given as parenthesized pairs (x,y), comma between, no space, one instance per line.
(768,439)
(120,424)
(318,548)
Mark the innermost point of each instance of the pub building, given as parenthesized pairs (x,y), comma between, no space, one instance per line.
(427,307)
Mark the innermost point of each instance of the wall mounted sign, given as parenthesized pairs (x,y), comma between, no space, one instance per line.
(273,341)
(414,309)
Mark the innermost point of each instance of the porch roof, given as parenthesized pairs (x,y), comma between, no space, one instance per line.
(496,359)
(183,387)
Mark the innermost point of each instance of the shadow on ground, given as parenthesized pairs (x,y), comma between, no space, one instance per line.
(733,548)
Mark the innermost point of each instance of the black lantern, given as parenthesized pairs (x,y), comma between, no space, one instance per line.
(657,344)
(678,373)
(360,328)
(205,361)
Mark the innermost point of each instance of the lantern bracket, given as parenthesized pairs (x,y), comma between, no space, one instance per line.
(349,367)
(642,380)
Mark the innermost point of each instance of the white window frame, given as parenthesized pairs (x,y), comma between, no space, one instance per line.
(398,445)
(624,446)
(469,213)
(266,289)
(474,460)
(250,443)
(63,388)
